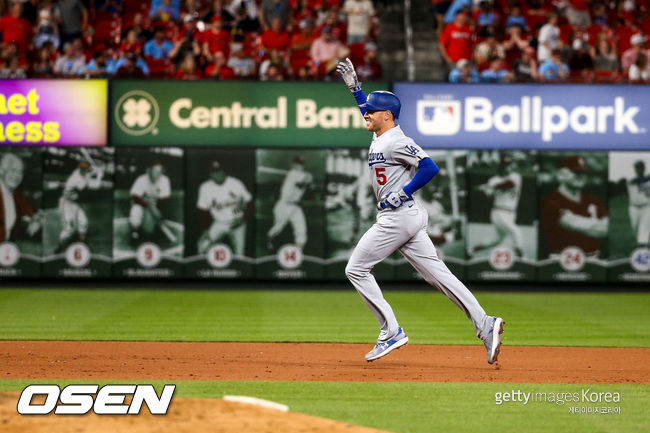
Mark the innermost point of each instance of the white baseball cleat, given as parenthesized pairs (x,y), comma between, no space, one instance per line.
(383,349)
(492,339)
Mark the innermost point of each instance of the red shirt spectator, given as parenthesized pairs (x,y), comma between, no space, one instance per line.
(131,44)
(275,38)
(14,28)
(219,70)
(216,40)
(301,44)
(457,39)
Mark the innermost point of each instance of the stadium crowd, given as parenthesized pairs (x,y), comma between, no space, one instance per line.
(579,41)
(188,39)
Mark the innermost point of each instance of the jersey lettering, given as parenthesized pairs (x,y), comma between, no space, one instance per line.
(381,177)
(412,149)
(376,158)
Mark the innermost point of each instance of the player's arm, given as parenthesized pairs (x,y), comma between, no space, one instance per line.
(594,227)
(349,75)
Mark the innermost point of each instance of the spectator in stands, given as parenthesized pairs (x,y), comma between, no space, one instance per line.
(217,9)
(71,62)
(300,45)
(326,50)
(13,70)
(216,40)
(219,70)
(97,67)
(109,6)
(629,56)
(553,69)
(46,29)
(128,68)
(131,44)
(515,44)
(276,38)
(186,42)
(455,7)
(548,39)
(275,60)
(43,67)
(140,28)
(577,13)
(599,14)
(333,21)
(273,73)
(114,65)
(580,58)
(188,70)
(370,69)
(516,18)
(240,63)
(486,50)
(244,24)
(270,9)
(74,19)
(304,74)
(304,11)
(464,72)
(15,28)
(524,69)
(640,70)
(359,13)
(158,47)
(439,10)
(496,73)
(605,58)
(485,18)
(457,40)
(165,10)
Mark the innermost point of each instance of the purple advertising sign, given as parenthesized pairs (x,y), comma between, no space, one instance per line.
(53,112)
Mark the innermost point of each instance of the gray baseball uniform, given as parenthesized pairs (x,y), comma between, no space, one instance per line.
(393,160)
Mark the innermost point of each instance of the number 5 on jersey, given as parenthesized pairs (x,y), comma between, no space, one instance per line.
(381,177)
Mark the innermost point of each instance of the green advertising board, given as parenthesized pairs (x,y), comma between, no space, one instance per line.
(203,113)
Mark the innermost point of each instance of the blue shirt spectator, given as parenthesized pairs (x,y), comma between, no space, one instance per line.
(158,47)
(495,73)
(165,9)
(114,65)
(463,73)
(457,6)
(516,20)
(554,69)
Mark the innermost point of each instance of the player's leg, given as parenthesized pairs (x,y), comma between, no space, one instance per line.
(211,236)
(82,223)
(379,242)
(643,229)
(67,225)
(513,231)
(499,233)
(635,217)
(281,214)
(299,225)
(238,236)
(135,223)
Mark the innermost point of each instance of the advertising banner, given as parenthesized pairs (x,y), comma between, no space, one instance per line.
(21,217)
(290,214)
(219,213)
(350,206)
(53,112)
(520,116)
(148,212)
(502,229)
(445,200)
(629,216)
(231,113)
(78,208)
(573,216)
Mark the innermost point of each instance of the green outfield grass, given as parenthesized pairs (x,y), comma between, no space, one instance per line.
(427,407)
(569,319)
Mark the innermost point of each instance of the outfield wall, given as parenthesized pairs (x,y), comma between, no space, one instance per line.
(256,132)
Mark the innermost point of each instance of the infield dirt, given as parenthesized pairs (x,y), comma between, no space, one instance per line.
(318,362)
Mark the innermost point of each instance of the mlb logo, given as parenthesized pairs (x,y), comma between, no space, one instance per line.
(438,117)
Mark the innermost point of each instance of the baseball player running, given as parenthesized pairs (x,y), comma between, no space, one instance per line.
(286,210)
(229,203)
(398,168)
(505,188)
(73,217)
(638,189)
(148,194)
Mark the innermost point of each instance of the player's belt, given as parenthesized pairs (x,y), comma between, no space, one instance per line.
(504,208)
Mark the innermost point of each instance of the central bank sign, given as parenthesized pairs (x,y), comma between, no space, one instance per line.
(526,116)
(236,114)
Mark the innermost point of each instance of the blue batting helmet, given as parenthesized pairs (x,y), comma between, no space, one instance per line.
(382,100)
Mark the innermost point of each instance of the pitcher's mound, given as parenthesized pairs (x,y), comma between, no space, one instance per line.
(189,415)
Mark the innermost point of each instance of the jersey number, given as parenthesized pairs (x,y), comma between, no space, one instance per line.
(381,177)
